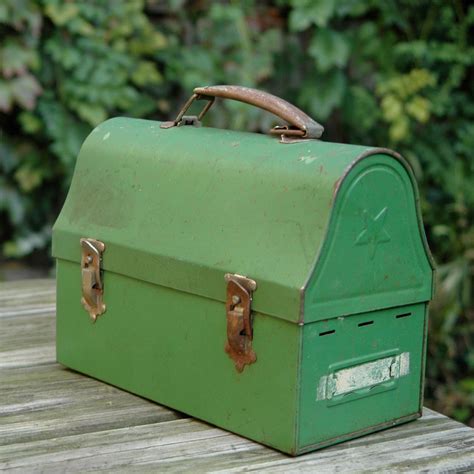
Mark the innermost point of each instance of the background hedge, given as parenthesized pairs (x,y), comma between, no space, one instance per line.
(388,73)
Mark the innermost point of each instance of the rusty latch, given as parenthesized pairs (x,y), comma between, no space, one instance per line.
(92,284)
(239,320)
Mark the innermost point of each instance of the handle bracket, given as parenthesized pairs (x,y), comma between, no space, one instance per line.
(182,119)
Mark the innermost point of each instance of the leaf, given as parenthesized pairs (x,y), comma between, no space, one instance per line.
(12,203)
(66,132)
(146,73)
(325,93)
(461,414)
(8,161)
(6,96)
(419,108)
(30,122)
(329,48)
(90,113)
(361,109)
(28,178)
(392,108)
(309,12)
(399,129)
(25,90)
(62,13)
(154,42)
(3,13)
(321,11)
(15,59)
(80,26)
(299,20)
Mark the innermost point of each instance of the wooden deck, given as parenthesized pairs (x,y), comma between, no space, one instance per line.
(55,420)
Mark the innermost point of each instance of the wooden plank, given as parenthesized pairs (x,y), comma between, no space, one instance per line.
(175,446)
(28,284)
(27,340)
(35,290)
(27,332)
(50,401)
(30,357)
(27,310)
(23,298)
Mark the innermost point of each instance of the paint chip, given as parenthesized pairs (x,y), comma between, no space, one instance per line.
(307,159)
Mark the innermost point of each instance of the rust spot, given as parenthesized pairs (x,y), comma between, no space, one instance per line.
(337,183)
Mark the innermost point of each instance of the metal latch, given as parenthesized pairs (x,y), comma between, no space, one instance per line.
(239,321)
(92,284)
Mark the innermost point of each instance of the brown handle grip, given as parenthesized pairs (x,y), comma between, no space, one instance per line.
(301,124)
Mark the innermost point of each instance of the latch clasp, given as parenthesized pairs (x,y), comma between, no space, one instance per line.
(239,322)
(92,283)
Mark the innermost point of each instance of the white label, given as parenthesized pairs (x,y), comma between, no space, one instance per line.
(363,376)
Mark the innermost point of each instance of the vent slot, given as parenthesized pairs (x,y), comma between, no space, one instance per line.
(404,315)
(326,333)
(366,323)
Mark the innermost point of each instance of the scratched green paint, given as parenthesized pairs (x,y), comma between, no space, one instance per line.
(179,208)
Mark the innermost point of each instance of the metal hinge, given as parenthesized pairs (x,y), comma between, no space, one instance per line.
(239,320)
(92,284)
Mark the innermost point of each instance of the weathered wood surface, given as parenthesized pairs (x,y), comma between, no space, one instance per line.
(55,420)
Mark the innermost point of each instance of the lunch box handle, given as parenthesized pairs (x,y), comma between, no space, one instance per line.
(300,125)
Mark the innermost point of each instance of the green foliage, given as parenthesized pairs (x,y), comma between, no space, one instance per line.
(396,74)
(65,67)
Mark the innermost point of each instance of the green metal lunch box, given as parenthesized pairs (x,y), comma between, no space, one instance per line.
(273,285)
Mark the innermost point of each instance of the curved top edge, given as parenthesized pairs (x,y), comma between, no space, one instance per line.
(406,165)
